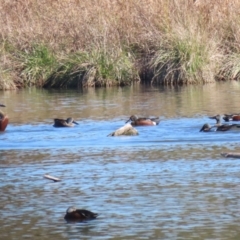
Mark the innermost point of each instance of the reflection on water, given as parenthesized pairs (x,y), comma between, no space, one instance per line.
(170,182)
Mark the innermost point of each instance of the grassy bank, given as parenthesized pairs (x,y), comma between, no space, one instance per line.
(74,43)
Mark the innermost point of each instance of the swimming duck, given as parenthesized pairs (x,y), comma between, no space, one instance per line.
(77,215)
(231,117)
(224,127)
(135,121)
(3,120)
(69,122)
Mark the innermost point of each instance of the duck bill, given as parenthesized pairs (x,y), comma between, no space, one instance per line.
(128,120)
(75,123)
(201,130)
(1,105)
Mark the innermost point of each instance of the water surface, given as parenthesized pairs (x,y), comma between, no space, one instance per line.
(170,182)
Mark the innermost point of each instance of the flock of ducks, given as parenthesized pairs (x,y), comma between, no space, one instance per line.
(69,122)
(76,215)
(219,126)
(73,214)
(135,121)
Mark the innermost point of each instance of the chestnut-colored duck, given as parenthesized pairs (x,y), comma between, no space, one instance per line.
(135,121)
(3,120)
(78,215)
(231,117)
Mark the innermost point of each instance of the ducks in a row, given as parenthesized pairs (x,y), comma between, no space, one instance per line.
(70,122)
(218,126)
(135,121)
(142,121)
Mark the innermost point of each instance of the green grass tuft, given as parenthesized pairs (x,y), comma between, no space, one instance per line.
(95,68)
(180,60)
(37,65)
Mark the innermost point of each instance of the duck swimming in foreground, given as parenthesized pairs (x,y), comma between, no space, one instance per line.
(78,215)
(135,121)
(69,122)
(3,120)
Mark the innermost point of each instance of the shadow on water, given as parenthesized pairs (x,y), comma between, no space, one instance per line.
(170,182)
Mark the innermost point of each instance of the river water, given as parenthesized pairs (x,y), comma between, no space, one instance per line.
(170,182)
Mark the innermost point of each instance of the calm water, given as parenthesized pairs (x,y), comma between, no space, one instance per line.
(170,182)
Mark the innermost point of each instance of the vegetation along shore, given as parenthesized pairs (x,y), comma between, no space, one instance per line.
(73,43)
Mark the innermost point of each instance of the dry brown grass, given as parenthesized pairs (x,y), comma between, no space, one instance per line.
(141,27)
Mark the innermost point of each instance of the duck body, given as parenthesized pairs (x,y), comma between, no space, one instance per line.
(4,120)
(135,121)
(77,215)
(69,122)
(226,127)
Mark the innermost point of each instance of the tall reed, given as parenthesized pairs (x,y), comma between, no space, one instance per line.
(114,42)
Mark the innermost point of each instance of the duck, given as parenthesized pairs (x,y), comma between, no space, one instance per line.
(69,122)
(135,121)
(208,128)
(3,120)
(77,215)
(231,117)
